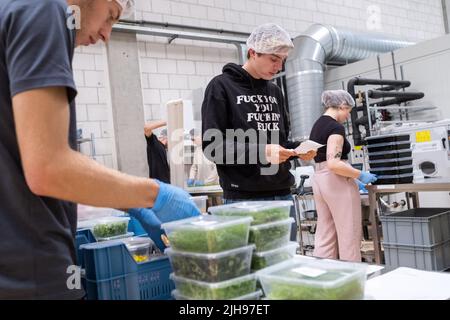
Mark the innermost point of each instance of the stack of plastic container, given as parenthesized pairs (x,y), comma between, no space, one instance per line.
(270,229)
(211,258)
(305,278)
(390,158)
(418,238)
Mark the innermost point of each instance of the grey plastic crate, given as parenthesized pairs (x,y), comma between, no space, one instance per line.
(417,227)
(433,258)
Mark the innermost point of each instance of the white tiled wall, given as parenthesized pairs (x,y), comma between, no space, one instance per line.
(184,67)
(93,107)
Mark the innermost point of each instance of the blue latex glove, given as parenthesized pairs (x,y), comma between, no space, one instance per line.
(199,183)
(190,182)
(361,186)
(151,225)
(367,177)
(171,204)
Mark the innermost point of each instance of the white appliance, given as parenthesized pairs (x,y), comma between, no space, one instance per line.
(430,145)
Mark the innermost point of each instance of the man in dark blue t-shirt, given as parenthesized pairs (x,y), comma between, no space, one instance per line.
(39,167)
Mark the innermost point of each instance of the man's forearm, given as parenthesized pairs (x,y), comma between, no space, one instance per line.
(77,178)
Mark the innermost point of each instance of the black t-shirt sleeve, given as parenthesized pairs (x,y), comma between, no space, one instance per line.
(39,48)
(337,129)
(324,127)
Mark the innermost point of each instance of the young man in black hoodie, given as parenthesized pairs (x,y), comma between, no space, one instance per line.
(245,124)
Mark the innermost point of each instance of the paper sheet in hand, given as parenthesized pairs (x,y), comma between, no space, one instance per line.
(307,146)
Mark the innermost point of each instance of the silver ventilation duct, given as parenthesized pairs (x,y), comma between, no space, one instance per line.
(305,67)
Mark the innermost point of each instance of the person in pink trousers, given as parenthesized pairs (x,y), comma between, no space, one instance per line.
(335,183)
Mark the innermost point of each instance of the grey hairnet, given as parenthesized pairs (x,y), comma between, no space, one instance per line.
(270,38)
(336,98)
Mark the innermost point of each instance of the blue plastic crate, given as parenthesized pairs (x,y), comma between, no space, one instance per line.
(113,274)
(85,236)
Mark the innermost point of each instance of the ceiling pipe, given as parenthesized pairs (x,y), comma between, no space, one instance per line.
(178,31)
(306,64)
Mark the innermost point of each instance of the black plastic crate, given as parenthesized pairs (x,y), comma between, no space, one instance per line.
(390,171)
(400,162)
(389,146)
(386,155)
(395,179)
(387,139)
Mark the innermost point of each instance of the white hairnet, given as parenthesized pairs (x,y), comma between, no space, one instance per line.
(270,38)
(336,98)
(127,8)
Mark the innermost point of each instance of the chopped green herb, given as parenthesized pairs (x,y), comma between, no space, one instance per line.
(110,229)
(259,263)
(283,290)
(259,217)
(210,241)
(237,289)
(271,237)
(211,269)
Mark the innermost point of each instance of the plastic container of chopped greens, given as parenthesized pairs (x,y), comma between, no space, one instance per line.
(229,289)
(261,211)
(140,248)
(264,259)
(251,296)
(118,237)
(211,267)
(313,279)
(208,234)
(200,202)
(108,227)
(271,235)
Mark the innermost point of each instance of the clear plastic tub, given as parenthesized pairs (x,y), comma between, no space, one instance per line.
(91,213)
(212,267)
(313,279)
(261,211)
(86,224)
(264,259)
(200,202)
(108,227)
(118,237)
(229,289)
(271,235)
(140,248)
(251,296)
(208,234)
